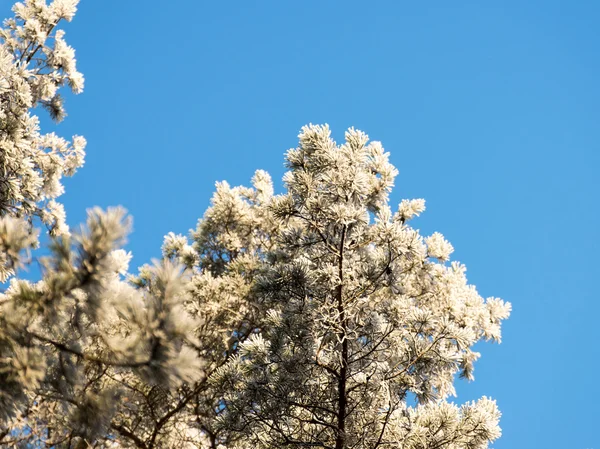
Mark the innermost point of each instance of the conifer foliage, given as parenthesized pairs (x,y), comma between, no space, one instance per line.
(315,318)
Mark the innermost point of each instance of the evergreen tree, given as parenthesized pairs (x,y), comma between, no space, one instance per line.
(364,314)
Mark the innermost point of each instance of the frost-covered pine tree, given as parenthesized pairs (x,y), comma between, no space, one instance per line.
(364,314)
(35,63)
(73,343)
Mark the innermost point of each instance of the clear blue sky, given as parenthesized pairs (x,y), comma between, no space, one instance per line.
(490,110)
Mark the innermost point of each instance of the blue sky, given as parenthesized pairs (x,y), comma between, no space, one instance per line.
(490,111)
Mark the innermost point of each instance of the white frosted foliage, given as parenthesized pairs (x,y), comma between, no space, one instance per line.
(35,64)
(319,317)
(362,316)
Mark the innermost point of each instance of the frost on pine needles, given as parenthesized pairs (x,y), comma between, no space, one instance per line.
(35,64)
(315,318)
(368,316)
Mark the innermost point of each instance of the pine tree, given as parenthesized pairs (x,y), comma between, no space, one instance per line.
(72,343)
(364,314)
(35,64)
